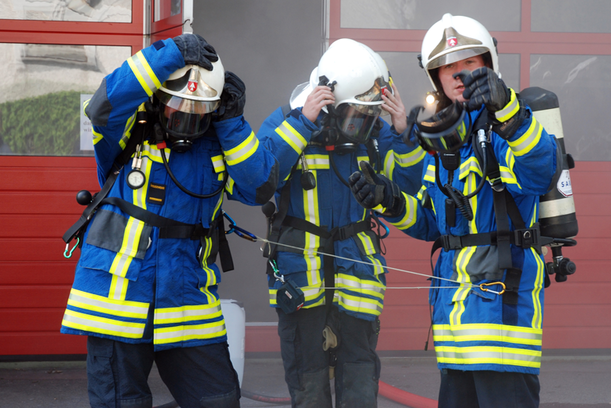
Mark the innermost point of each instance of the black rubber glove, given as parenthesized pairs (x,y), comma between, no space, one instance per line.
(483,86)
(371,189)
(195,50)
(233,97)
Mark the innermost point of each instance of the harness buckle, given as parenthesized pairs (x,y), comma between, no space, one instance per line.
(451,242)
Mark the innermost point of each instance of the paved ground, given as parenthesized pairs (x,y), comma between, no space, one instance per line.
(569,379)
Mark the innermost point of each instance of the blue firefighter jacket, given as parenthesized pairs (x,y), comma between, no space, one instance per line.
(360,280)
(131,285)
(475,329)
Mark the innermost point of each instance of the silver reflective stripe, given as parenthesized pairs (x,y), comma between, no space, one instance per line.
(359,304)
(144,73)
(498,333)
(243,151)
(291,137)
(488,355)
(184,332)
(521,146)
(186,314)
(411,158)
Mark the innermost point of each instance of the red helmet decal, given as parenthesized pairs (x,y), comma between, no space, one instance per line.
(452,42)
(192,86)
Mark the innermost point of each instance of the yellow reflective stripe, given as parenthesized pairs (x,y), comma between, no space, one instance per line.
(96,136)
(101,304)
(102,325)
(219,163)
(312,241)
(537,320)
(152,153)
(389,165)
(462,260)
(471,165)
(359,304)
(144,73)
(187,313)
(368,244)
(367,287)
(129,247)
(488,355)
(118,287)
(272,296)
(229,185)
(85,104)
(291,137)
(488,332)
(509,110)
(242,151)
(311,293)
(315,162)
(176,334)
(528,140)
(411,208)
(410,159)
(430,173)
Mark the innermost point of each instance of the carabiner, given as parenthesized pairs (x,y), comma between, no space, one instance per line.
(481,286)
(67,254)
(276,271)
(240,232)
(231,223)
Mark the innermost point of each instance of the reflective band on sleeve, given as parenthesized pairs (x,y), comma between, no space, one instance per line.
(291,137)
(242,151)
(409,219)
(96,136)
(410,159)
(144,73)
(509,110)
(528,140)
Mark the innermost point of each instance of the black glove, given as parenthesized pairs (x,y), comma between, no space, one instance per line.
(371,189)
(196,51)
(233,97)
(483,86)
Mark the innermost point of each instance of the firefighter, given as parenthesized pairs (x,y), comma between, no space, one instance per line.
(487,327)
(327,307)
(145,288)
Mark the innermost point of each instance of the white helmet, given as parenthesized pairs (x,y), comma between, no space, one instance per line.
(455,38)
(358,77)
(187,99)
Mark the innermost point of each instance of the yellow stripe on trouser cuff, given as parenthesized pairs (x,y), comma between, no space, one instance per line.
(528,140)
(143,72)
(509,110)
(102,325)
(102,304)
(242,151)
(187,313)
(180,333)
(488,332)
(488,355)
(291,137)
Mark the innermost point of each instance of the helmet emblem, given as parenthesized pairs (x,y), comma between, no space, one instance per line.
(452,41)
(192,86)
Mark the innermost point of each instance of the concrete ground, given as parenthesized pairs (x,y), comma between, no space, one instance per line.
(569,379)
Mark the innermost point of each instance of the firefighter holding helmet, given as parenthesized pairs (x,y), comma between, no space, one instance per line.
(490,160)
(170,142)
(328,307)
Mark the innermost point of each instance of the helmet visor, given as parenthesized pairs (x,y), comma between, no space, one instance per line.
(187,105)
(356,122)
(455,56)
(445,131)
(184,125)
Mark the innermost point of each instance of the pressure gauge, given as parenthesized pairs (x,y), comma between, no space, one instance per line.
(135,179)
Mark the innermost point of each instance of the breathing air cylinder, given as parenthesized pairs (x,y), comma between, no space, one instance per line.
(557,217)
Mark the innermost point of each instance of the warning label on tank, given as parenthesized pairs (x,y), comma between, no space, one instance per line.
(564,184)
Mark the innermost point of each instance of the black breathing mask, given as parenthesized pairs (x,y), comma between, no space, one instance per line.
(446,131)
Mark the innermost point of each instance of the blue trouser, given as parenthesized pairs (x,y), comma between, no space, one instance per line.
(197,377)
(488,389)
(306,364)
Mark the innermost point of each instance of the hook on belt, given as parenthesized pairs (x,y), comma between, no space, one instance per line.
(485,289)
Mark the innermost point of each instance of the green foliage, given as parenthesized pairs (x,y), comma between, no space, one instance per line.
(47,125)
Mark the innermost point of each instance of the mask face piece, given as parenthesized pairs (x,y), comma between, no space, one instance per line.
(355,122)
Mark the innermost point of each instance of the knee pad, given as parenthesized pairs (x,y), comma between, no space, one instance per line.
(314,391)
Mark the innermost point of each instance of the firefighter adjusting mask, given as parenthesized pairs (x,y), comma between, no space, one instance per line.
(187,101)
(358,77)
